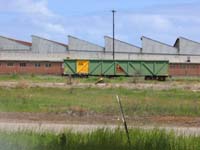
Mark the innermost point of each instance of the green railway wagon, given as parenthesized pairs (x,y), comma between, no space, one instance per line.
(146,68)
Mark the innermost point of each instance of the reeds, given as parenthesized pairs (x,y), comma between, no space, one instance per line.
(101,139)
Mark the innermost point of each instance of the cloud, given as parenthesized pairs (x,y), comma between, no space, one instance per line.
(26,6)
(162,22)
(56,28)
(154,21)
(36,12)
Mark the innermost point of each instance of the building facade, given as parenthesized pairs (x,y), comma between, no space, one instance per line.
(44,56)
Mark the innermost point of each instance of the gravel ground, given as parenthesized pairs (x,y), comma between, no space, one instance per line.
(59,128)
(156,86)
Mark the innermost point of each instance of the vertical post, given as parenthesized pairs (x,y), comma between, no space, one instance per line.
(113,11)
(124,120)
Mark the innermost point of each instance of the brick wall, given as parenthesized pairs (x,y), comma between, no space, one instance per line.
(22,67)
(184,69)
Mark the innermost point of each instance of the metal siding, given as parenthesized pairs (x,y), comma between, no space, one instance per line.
(170,58)
(33,57)
(189,47)
(82,66)
(7,45)
(117,67)
(85,55)
(81,45)
(120,46)
(43,46)
(154,47)
(69,67)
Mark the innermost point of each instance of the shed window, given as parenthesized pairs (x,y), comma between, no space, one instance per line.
(22,64)
(48,65)
(10,64)
(37,65)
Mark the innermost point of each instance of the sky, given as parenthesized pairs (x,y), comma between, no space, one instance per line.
(91,20)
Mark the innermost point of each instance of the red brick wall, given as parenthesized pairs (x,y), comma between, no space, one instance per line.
(30,68)
(175,69)
(184,69)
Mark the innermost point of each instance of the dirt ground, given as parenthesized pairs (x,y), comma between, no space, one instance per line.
(58,123)
(156,86)
(62,118)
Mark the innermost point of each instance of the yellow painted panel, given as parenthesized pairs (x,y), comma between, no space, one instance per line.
(82,66)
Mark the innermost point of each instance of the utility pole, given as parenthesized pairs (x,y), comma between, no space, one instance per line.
(113,11)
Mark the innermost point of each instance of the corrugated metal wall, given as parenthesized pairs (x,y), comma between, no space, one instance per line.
(44,46)
(44,49)
(76,44)
(120,46)
(12,46)
(188,47)
(155,47)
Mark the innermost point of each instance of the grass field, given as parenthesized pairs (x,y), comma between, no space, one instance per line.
(101,139)
(64,79)
(136,102)
(40,78)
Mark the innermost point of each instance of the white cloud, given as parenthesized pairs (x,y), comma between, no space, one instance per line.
(39,7)
(36,12)
(55,27)
(164,23)
(154,21)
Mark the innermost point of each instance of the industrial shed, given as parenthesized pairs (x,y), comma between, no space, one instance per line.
(150,46)
(44,56)
(76,44)
(18,56)
(44,46)
(187,47)
(120,46)
(13,45)
(82,49)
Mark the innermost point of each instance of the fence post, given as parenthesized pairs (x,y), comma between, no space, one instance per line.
(124,120)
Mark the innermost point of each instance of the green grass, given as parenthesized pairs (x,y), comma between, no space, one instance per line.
(64,79)
(101,139)
(135,102)
(32,78)
(186,79)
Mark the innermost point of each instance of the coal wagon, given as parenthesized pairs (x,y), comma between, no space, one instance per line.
(157,70)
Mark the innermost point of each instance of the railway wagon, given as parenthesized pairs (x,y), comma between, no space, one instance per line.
(157,70)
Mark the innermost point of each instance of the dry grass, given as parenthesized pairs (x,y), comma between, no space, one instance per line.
(135,102)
